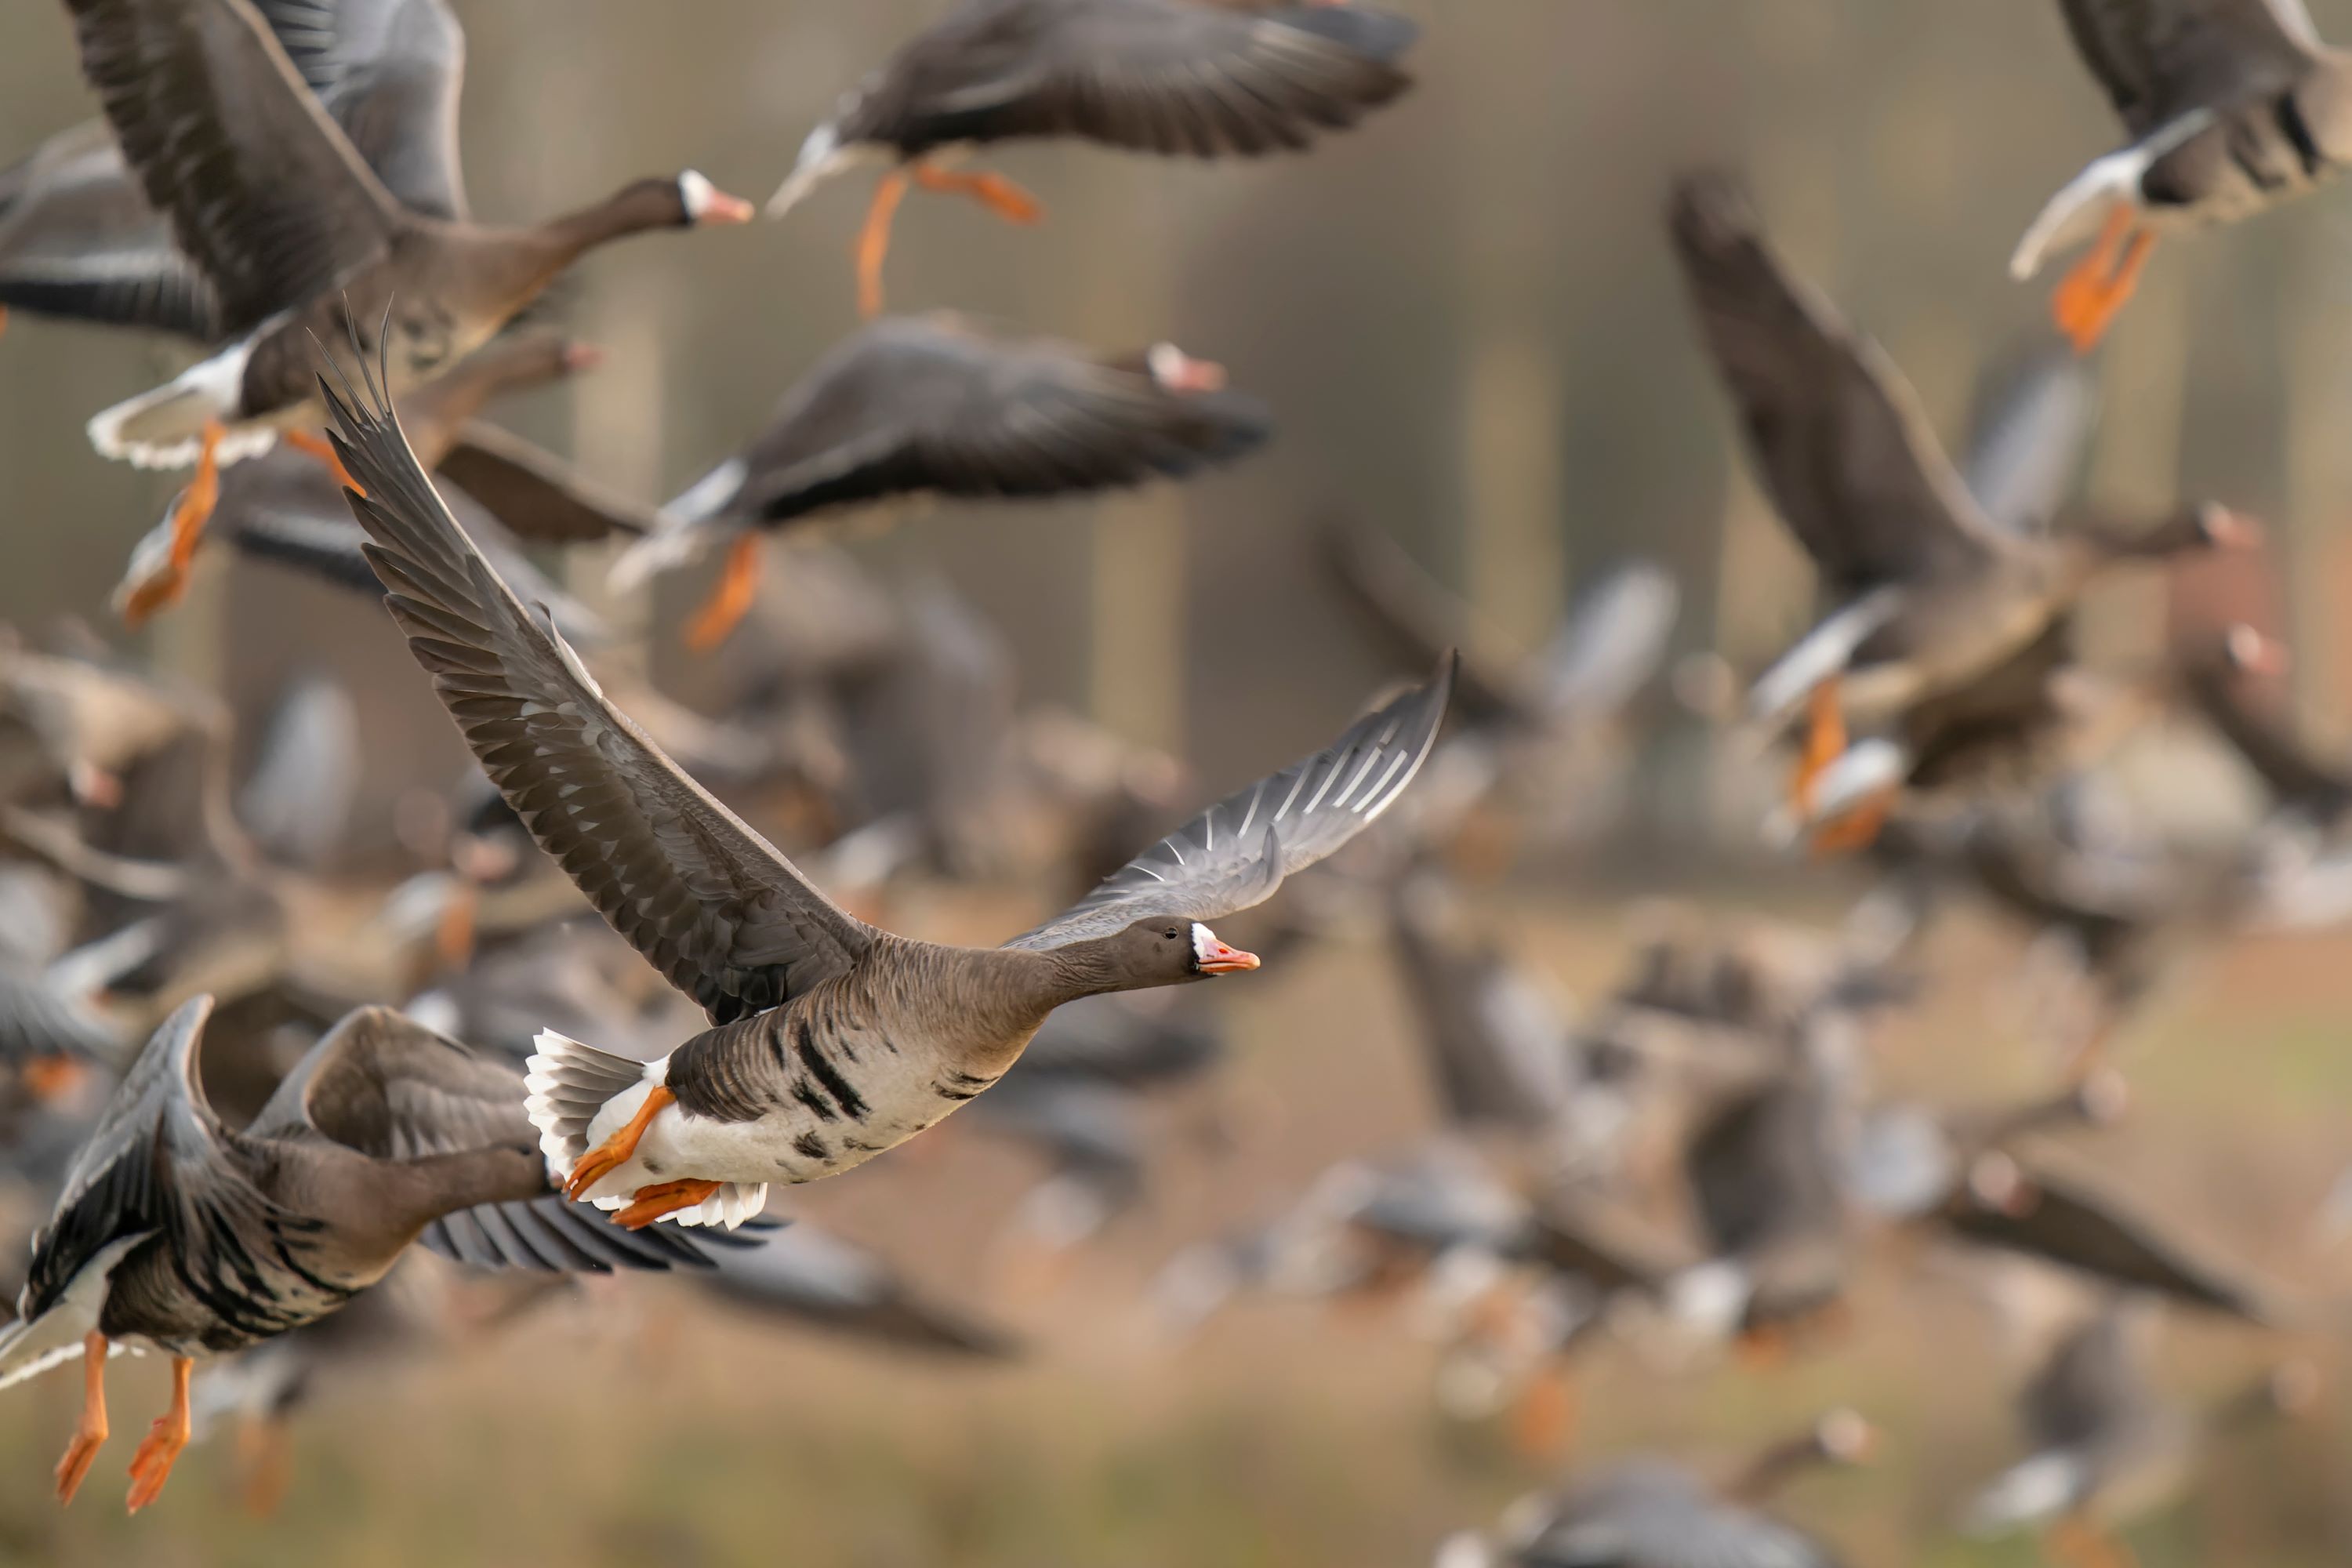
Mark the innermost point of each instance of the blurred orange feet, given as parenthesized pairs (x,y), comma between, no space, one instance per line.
(160,1450)
(89,1434)
(1544,1421)
(731,601)
(321,451)
(614,1151)
(1858,826)
(1825,740)
(2092,292)
(874,240)
(266,1455)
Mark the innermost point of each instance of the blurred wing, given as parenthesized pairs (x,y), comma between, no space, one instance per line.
(1613,643)
(79,239)
(2160,59)
(2289,767)
(706,899)
(1834,430)
(159,1162)
(390,73)
(805,1276)
(265,193)
(1160,75)
(537,495)
(1235,854)
(1417,617)
(916,405)
(2029,438)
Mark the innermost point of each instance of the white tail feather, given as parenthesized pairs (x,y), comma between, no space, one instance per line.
(2072,215)
(565,1084)
(28,1348)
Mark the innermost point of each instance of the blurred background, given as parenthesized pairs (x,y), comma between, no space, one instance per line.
(1465,320)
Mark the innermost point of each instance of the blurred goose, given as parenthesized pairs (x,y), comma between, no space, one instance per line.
(286,508)
(1537,730)
(1931,592)
(1909,1161)
(2232,107)
(298,237)
(831,1040)
(78,237)
(1173,77)
(805,1276)
(1655,1513)
(2105,1446)
(937,406)
(2035,1211)
(176,1232)
(2307,784)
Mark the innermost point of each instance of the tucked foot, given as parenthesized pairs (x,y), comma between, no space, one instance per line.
(651,1204)
(89,1434)
(994,192)
(874,240)
(322,450)
(731,600)
(160,1450)
(614,1151)
(1826,743)
(2096,288)
(1857,829)
(1544,1421)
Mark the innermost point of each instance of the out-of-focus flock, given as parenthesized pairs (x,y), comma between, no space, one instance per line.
(278,1111)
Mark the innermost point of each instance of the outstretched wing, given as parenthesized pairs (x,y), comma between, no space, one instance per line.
(1235,854)
(706,899)
(2160,59)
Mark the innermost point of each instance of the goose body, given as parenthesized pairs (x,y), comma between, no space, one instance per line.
(830,1039)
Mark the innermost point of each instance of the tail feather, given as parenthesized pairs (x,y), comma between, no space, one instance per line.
(566,1083)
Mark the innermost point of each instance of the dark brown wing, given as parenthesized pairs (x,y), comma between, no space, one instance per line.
(1234,855)
(2160,59)
(537,495)
(1835,432)
(265,193)
(1160,76)
(384,1084)
(913,405)
(390,71)
(706,899)
(1415,617)
(79,239)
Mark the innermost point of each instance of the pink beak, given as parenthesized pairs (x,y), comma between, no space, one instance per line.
(580,358)
(2258,654)
(1177,370)
(1221,960)
(724,208)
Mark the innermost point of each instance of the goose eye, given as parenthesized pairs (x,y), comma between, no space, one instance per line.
(1170,933)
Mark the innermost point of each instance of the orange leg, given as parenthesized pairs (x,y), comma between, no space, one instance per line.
(874,240)
(614,1151)
(731,600)
(1543,1424)
(2096,288)
(651,1202)
(90,1435)
(267,1456)
(323,450)
(453,937)
(189,515)
(1859,827)
(994,192)
(1825,740)
(160,1450)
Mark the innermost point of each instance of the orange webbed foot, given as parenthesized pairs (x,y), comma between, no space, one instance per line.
(151,1467)
(873,241)
(614,1151)
(650,1203)
(1857,829)
(89,1434)
(1826,743)
(2096,288)
(994,192)
(1544,1421)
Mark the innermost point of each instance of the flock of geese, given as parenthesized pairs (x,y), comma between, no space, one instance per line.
(277,181)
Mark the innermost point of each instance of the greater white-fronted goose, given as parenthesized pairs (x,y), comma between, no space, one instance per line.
(937,405)
(1929,591)
(284,507)
(178,1233)
(832,1040)
(78,237)
(1657,1513)
(1204,78)
(2232,106)
(2106,1446)
(299,236)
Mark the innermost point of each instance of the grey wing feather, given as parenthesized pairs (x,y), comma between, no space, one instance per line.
(705,899)
(1235,854)
(1836,434)
(2029,438)
(536,494)
(265,192)
(390,71)
(79,239)
(2160,60)
(1612,642)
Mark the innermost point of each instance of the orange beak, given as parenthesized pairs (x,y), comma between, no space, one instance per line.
(1216,958)
(723,208)
(582,357)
